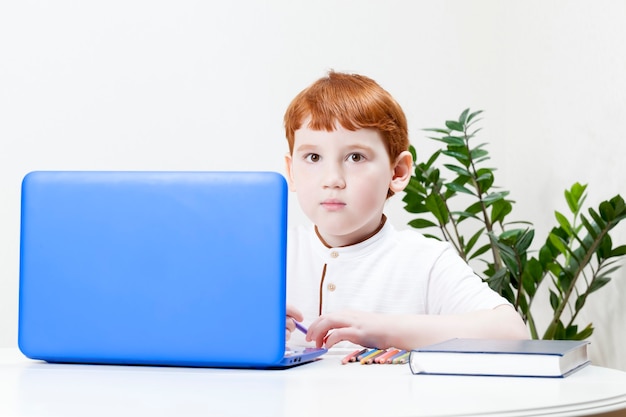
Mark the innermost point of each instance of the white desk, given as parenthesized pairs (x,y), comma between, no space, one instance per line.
(323,388)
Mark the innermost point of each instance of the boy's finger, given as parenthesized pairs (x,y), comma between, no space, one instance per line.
(294,313)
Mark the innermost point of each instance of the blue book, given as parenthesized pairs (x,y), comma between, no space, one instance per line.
(485,357)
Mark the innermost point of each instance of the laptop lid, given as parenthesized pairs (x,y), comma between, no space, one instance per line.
(156,268)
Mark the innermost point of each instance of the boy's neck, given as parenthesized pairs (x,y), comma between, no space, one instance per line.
(383,220)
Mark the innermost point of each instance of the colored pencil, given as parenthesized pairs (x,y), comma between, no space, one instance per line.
(397,355)
(388,354)
(371,356)
(364,354)
(402,358)
(352,356)
(301,327)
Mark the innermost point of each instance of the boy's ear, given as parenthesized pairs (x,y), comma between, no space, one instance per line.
(289,171)
(402,170)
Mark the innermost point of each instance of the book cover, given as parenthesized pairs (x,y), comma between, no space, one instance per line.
(490,357)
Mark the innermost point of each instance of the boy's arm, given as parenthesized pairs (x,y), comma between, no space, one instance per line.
(409,331)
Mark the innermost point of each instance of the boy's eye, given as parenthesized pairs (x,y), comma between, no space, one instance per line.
(312,157)
(355,157)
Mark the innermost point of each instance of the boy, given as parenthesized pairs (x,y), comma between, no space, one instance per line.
(351,276)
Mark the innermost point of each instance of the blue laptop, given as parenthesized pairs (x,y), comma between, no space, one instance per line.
(155,268)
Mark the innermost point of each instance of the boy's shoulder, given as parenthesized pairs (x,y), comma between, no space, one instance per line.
(411,238)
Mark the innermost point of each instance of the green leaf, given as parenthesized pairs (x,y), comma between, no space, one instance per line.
(523,243)
(481,160)
(591,229)
(509,257)
(510,235)
(619,251)
(459,188)
(545,255)
(478,153)
(474,208)
(554,300)
(433,158)
(555,268)
(570,332)
(480,251)
(459,156)
(606,271)
(422,223)
(414,202)
(532,277)
(605,247)
(584,334)
(563,222)
(462,215)
(430,177)
(432,236)
(463,116)
(598,283)
(499,210)
(473,133)
(566,279)
(470,243)
(413,152)
(490,198)
(437,130)
(558,243)
(606,211)
(487,176)
(454,125)
(597,218)
(619,207)
(459,170)
(498,281)
(453,140)
(484,176)
(473,115)
(559,332)
(575,196)
(437,207)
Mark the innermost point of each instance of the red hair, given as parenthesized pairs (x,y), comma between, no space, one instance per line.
(355,102)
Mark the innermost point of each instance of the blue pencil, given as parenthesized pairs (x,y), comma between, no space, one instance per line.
(364,354)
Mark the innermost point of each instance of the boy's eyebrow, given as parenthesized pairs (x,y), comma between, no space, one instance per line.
(358,146)
(350,147)
(305,148)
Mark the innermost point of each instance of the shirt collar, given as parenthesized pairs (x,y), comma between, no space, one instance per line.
(383,220)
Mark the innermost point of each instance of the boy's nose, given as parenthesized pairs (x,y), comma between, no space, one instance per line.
(333,178)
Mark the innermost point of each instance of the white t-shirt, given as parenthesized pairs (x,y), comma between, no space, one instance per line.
(391,272)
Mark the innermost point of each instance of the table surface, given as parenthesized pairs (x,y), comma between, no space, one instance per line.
(322,388)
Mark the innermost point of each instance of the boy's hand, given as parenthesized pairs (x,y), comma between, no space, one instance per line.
(292,314)
(362,328)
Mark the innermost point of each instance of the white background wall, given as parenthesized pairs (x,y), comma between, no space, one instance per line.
(202,85)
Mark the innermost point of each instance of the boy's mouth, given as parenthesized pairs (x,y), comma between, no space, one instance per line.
(333,204)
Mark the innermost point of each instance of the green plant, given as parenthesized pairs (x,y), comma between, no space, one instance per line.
(469,211)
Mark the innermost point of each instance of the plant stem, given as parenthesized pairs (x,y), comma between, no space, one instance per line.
(497,260)
(550,331)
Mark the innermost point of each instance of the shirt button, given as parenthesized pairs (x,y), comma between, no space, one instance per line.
(331,287)
(334,254)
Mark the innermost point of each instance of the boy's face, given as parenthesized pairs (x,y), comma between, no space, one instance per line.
(342,178)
